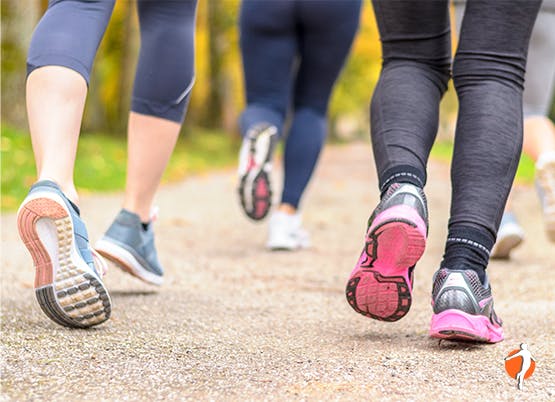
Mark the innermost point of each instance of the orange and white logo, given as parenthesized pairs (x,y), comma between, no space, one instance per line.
(520,364)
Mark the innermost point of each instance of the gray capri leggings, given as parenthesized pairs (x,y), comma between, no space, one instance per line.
(539,86)
(70,32)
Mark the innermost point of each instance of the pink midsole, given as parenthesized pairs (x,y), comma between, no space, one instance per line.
(459,321)
(400,212)
(400,243)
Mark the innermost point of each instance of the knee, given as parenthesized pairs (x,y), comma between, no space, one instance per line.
(470,69)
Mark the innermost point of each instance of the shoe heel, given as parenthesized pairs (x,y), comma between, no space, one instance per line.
(29,214)
(67,290)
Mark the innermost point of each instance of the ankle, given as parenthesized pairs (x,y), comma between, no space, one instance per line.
(287,209)
(141,211)
(468,248)
(67,187)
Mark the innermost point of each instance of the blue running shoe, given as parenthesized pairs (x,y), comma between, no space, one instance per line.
(131,247)
(68,283)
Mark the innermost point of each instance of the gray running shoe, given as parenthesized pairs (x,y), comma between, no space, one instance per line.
(128,245)
(463,308)
(68,283)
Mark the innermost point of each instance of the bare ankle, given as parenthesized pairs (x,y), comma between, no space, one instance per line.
(287,209)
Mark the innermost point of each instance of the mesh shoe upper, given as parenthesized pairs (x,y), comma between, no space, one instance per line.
(127,232)
(462,290)
(403,194)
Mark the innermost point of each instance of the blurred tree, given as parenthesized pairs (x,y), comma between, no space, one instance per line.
(18,21)
(217,94)
(217,97)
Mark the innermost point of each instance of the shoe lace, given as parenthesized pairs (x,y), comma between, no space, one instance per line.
(154,213)
(99,263)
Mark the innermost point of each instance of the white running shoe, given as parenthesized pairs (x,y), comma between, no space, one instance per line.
(286,232)
(255,166)
(509,236)
(545,182)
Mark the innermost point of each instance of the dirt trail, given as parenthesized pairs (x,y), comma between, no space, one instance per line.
(236,322)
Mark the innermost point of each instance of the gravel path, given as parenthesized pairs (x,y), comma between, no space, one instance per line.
(234,321)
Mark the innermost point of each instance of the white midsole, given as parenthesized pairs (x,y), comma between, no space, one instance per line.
(262,144)
(129,260)
(48,235)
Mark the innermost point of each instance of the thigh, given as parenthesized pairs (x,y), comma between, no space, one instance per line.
(414,30)
(69,34)
(268,48)
(165,69)
(491,30)
(327,30)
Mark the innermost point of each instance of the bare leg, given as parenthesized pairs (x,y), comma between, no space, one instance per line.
(55,101)
(539,136)
(287,209)
(150,144)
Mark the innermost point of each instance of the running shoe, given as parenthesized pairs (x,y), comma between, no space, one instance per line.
(509,236)
(463,308)
(286,232)
(255,165)
(380,286)
(545,183)
(130,246)
(68,283)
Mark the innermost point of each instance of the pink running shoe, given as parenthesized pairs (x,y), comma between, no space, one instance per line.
(463,308)
(255,166)
(380,286)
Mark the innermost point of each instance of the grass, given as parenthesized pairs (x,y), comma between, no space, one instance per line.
(101,160)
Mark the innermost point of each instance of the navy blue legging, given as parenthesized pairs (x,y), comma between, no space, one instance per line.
(293,51)
(488,73)
(70,32)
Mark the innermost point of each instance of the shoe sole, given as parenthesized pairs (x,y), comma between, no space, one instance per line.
(123,259)
(544,176)
(380,287)
(67,289)
(504,246)
(257,185)
(255,190)
(456,325)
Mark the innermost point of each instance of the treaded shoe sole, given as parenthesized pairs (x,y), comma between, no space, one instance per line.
(125,260)
(255,194)
(456,325)
(67,289)
(380,287)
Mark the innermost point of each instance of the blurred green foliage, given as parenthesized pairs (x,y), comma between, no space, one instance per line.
(101,161)
(216,101)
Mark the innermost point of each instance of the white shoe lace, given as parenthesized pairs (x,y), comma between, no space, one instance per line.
(99,263)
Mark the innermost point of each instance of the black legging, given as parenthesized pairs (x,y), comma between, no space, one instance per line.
(70,31)
(488,73)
